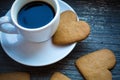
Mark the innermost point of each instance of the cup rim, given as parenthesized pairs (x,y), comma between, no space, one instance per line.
(57,14)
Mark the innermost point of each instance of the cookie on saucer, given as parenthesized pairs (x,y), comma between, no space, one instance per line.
(70,30)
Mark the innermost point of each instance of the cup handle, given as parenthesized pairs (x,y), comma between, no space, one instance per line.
(7,26)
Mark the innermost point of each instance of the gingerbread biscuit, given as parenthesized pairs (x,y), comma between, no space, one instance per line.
(70,30)
(97,65)
(59,76)
(15,76)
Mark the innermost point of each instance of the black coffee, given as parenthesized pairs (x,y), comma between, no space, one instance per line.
(35,14)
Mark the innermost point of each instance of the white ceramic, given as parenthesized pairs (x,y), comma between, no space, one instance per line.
(37,34)
(35,54)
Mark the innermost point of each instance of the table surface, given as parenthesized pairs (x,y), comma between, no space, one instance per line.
(104,19)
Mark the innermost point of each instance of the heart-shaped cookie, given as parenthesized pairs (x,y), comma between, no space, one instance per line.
(15,76)
(70,30)
(59,76)
(96,65)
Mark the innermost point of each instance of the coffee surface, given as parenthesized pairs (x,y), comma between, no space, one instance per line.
(35,14)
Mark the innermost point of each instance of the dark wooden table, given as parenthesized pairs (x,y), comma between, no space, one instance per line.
(104,18)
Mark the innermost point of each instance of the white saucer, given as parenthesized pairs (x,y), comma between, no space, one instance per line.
(35,54)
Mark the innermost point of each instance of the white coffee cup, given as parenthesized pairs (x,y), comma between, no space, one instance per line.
(36,34)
